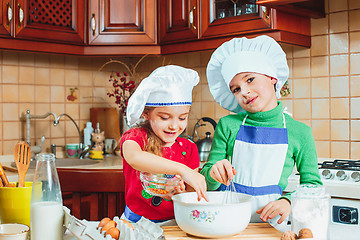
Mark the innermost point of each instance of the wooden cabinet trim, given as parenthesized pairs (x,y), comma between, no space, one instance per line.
(210,44)
(141,32)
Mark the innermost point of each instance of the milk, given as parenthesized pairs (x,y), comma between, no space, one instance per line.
(46,221)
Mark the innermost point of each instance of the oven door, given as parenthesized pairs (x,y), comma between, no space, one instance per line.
(344,220)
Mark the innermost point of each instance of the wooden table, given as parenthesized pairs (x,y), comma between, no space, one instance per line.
(260,231)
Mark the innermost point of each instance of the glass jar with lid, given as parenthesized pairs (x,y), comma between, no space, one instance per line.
(311,209)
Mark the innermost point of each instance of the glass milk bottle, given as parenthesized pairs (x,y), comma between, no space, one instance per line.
(311,209)
(46,212)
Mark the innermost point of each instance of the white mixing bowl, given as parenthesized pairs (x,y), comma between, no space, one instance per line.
(215,218)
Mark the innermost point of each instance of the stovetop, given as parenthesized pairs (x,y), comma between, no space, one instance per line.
(341,178)
(341,164)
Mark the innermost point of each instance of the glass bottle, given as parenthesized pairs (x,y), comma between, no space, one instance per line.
(46,211)
(311,209)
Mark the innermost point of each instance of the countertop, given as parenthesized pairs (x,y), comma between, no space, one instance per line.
(109,162)
(253,231)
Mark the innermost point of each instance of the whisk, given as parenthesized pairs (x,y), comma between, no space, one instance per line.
(229,190)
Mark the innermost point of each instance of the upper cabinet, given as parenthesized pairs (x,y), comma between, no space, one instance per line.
(227,17)
(122,22)
(205,24)
(137,27)
(178,20)
(41,20)
(7,13)
(308,8)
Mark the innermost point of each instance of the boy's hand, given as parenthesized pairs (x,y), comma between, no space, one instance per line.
(280,207)
(175,190)
(222,171)
(197,181)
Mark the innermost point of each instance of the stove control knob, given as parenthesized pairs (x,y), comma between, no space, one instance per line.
(341,175)
(355,176)
(326,174)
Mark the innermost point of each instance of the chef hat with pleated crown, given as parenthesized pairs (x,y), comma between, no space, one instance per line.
(166,86)
(258,55)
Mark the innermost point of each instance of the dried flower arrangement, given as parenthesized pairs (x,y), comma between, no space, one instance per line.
(122,90)
(285,90)
(123,84)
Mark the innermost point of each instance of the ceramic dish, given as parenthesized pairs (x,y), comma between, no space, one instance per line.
(158,184)
(14,231)
(213,219)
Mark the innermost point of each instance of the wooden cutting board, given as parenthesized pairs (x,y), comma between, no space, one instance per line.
(109,121)
(259,231)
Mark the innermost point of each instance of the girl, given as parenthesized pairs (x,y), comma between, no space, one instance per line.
(245,76)
(163,99)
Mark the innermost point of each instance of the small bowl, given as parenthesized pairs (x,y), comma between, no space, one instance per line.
(158,184)
(14,231)
(213,219)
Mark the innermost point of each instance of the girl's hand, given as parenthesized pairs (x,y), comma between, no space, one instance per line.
(222,171)
(196,181)
(280,207)
(176,190)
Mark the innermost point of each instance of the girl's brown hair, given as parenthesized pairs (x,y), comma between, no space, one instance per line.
(154,143)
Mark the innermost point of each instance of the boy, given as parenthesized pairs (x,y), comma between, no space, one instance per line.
(262,142)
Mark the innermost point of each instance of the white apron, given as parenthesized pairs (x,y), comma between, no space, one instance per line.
(258,157)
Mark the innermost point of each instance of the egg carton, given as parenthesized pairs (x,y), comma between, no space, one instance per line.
(87,230)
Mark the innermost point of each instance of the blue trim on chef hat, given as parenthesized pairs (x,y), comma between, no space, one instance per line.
(168,104)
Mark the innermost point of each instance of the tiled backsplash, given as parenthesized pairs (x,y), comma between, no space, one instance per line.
(324,82)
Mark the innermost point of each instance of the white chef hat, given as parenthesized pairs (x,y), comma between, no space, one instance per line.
(166,86)
(259,55)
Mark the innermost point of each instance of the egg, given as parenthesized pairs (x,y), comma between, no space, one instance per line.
(127,223)
(305,233)
(108,225)
(103,222)
(113,232)
(289,235)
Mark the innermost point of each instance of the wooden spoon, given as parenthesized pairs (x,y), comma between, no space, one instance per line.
(3,179)
(4,182)
(22,153)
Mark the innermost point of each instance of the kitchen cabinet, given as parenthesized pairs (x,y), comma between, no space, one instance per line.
(309,8)
(40,20)
(212,22)
(138,27)
(178,20)
(93,194)
(6,18)
(122,22)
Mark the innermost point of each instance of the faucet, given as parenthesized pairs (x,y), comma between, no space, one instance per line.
(28,116)
(37,149)
(56,122)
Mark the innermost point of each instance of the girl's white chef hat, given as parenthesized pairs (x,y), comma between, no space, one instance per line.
(259,55)
(166,86)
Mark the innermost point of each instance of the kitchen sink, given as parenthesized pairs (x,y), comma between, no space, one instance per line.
(67,162)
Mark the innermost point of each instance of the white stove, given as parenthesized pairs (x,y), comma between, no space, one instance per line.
(341,179)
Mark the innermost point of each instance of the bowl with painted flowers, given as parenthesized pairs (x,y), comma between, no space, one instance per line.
(159,184)
(216,218)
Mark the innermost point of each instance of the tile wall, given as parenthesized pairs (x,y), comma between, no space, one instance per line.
(324,82)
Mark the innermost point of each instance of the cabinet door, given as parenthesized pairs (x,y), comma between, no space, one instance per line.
(122,22)
(229,17)
(6,18)
(178,20)
(54,21)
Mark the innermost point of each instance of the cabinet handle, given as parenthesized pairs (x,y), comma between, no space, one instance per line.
(93,24)
(9,13)
(191,17)
(21,15)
